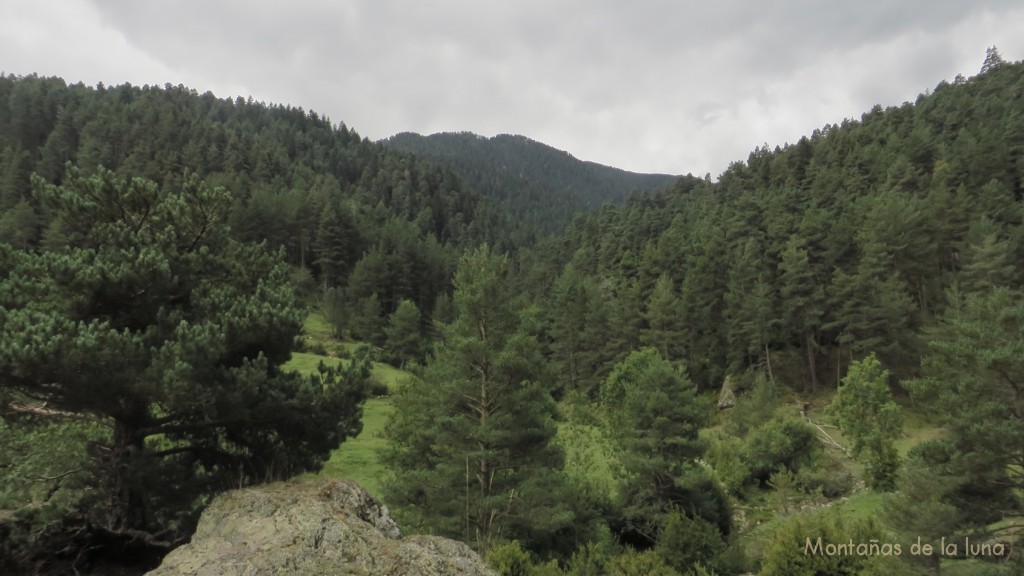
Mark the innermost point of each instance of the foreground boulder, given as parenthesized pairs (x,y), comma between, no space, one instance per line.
(293,529)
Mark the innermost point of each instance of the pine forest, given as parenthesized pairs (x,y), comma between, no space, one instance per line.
(810,365)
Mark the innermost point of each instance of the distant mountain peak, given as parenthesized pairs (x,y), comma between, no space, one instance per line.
(537,181)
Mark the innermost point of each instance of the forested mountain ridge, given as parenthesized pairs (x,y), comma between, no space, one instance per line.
(335,202)
(541,185)
(558,411)
(808,255)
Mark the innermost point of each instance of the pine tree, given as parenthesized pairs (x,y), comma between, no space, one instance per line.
(993,60)
(802,301)
(664,315)
(403,341)
(366,320)
(654,414)
(169,337)
(579,326)
(471,444)
(330,248)
(987,261)
(750,309)
(977,353)
(626,319)
(875,313)
(19,226)
(335,310)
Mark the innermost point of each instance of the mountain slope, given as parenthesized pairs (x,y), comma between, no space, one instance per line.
(541,185)
(852,240)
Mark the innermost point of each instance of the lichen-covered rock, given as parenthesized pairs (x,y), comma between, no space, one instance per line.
(291,529)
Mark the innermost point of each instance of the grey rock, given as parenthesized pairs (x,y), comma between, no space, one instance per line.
(291,528)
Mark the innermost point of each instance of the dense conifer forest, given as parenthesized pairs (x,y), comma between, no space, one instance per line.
(540,186)
(822,347)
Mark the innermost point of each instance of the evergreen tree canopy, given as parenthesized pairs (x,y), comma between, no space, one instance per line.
(471,443)
(654,416)
(974,368)
(168,336)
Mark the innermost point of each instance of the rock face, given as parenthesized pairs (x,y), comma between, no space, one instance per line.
(291,529)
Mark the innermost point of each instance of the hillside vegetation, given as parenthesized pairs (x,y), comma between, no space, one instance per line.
(538,184)
(826,342)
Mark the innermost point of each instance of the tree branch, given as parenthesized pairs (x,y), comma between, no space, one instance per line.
(52,478)
(43,410)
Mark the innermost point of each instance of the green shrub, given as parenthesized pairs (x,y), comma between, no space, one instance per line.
(377,387)
(794,549)
(510,559)
(754,408)
(779,443)
(633,563)
(829,481)
(684,542)
(725,456)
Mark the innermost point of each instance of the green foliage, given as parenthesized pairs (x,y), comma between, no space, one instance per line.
(403,341)
(751,315)
(633,563)
(543,187)
(858,238)
(510,560)
(366,321)
(782,442)
(588,472)
(654,414)
(579,326)
(336,245)
(169,336)
(754,407)
(794,546)
(827,478)
(471,445)
(334,309)
(19,226)
(725,455)
(783,482)
(869,417)
(974,364)
(685,542)
(924,506)
(315,189)
(44,463)
(987,259)
(803,299)
(664,316)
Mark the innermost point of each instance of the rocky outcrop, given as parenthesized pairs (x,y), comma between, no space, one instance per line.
(727,395)
(293,529)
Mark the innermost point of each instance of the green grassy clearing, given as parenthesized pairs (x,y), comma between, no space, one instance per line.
(357,458)
(307,363)
(317,328)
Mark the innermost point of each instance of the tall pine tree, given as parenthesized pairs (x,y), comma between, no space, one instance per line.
(471,444)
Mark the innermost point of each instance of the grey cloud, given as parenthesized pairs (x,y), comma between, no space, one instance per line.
(648,85)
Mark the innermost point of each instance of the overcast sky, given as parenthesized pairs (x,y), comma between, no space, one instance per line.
(646,85)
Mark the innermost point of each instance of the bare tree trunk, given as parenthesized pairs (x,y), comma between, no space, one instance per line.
(127,507)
